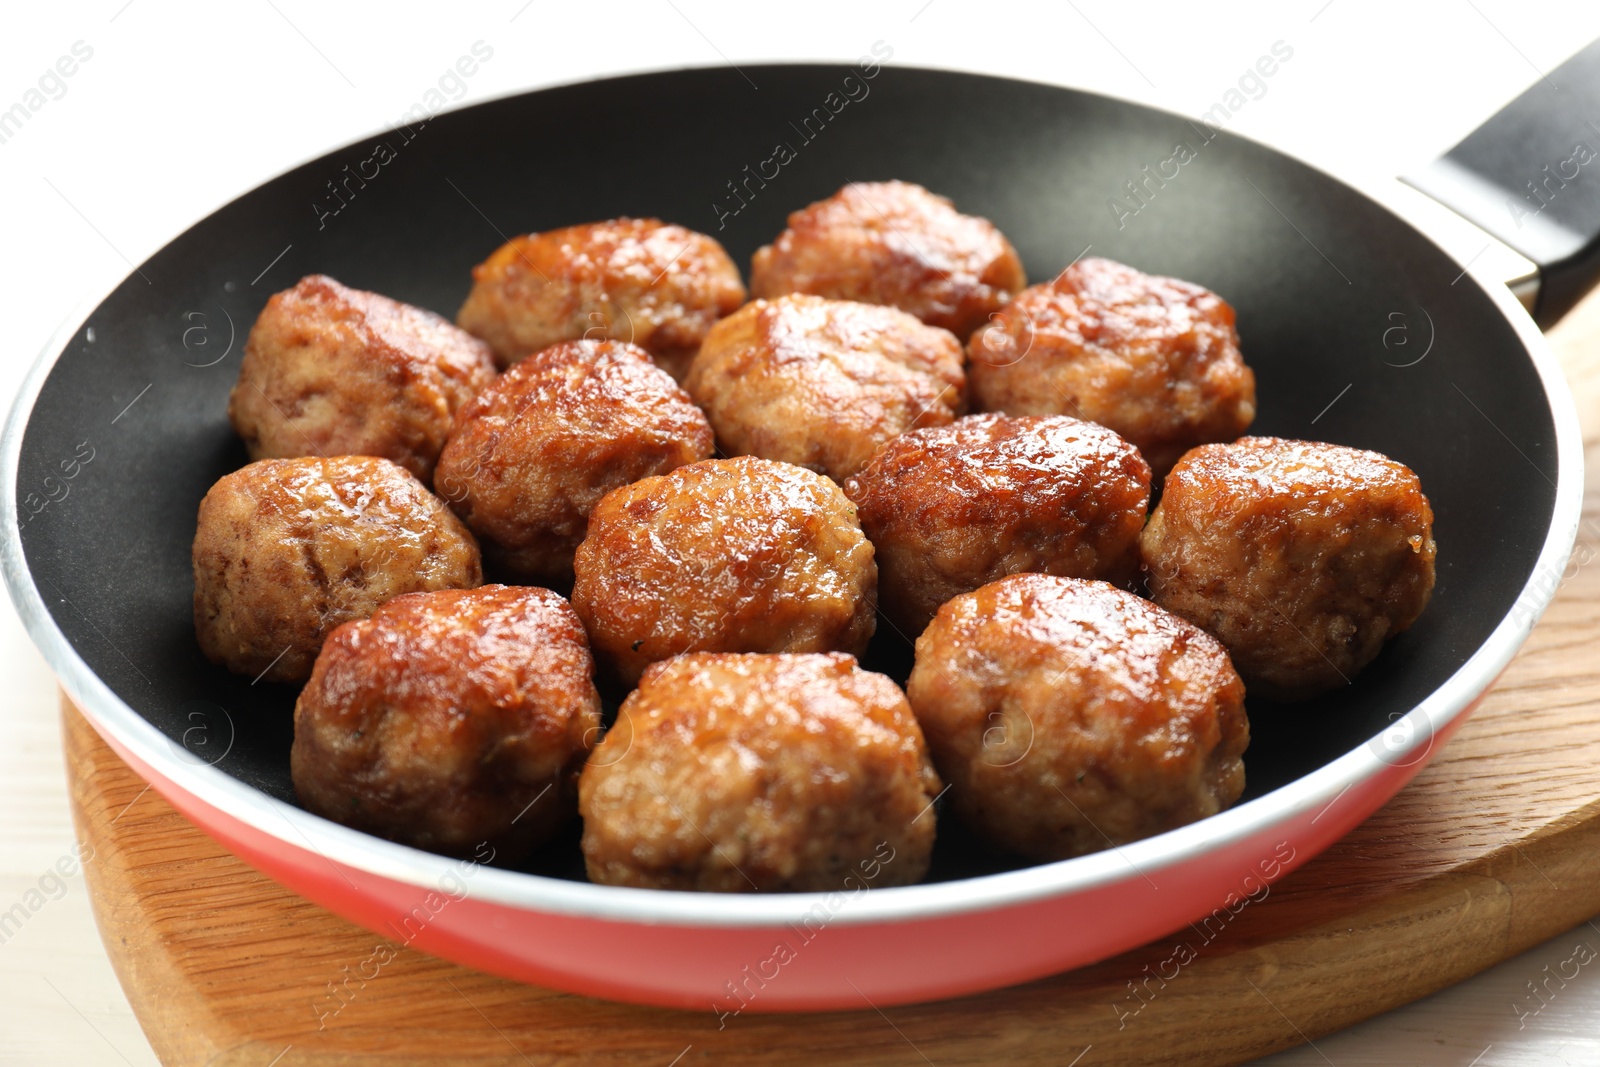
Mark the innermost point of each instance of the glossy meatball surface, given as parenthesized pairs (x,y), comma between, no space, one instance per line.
(1303,558)
(331,371)
(288,549)
(1069,716)
(822,383)
(1155,359)
(727,555)
(760,773)
(534,452)
(642,281)
(893,243)
(954,508)
(450,720)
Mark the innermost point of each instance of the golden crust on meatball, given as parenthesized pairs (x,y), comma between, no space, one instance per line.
(331,371)
(893,243)
(822,383)
(1156,359)
(1069,716)
(954,508)
(643,281)
(288,549)
(726,555)
(534,452)
(760,773)
(1302,558)
(450,720)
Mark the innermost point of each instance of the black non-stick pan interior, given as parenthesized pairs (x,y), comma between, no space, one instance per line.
(1336,299)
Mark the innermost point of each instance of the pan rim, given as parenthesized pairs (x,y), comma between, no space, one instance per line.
(1433,716)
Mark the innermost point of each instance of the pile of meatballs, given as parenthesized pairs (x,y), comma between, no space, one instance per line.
(714,502)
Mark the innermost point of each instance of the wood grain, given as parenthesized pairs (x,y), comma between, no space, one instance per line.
(1494,848)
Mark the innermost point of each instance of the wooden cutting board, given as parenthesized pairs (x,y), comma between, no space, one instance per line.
(1493,849)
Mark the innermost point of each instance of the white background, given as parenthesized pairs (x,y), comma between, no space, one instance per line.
(185,105)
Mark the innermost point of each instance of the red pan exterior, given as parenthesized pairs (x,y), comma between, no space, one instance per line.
(821,965)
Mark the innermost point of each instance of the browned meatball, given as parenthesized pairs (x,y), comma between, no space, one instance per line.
(533,453)
(1069,715)
(953,508)
(450,720)
(332,371)
(638,280)
(1302,558)
(1156,359)
(727,555)
(822,383)
(897,244)
(741,773)
(288,549)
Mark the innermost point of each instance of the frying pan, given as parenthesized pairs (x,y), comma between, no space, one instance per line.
(121,428)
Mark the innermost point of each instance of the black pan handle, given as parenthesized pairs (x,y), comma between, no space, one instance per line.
(1530,176)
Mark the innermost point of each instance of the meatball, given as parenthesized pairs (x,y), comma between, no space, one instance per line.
(1155,359)
(638,280)
(765,773)
(897,244)
(332,371)
(1302,558)
(954,508)
(288,549)
(533,453)
(450,720)
(726,555)
(822,383)
(1069,715)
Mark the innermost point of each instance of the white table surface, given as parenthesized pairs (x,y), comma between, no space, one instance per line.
(181,106)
